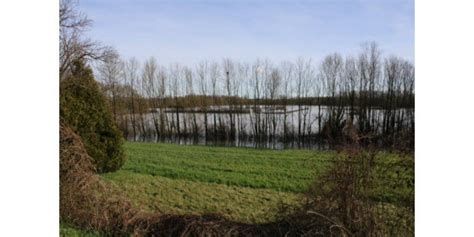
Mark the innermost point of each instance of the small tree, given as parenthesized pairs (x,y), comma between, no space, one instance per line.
(84,108)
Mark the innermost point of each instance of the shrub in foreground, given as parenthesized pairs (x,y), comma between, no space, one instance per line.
(346,197)
(84,107)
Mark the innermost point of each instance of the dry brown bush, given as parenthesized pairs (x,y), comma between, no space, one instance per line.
(85,199)
(344,196)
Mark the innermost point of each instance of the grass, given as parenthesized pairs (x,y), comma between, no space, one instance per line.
(287,170)
(244,184)
(66,230)
(156,193)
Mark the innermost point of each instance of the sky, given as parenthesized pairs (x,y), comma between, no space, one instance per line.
(186,32)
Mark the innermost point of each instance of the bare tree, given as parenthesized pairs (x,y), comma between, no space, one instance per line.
(215,72)
(175,82)
(131,78)
(162,82)
(331,74)
(350,84)
(228,67)
(258,74)
(371,54)
(110,72)
(151,89)
(73,45)
(287,69)
(191,98)
(408,78)
(243,92)
(273,85)
(202,72)
(303,73)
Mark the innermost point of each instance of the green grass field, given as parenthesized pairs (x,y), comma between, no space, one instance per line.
(244,184)
(287,170)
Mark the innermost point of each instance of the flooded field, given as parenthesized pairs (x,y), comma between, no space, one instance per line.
(275,127)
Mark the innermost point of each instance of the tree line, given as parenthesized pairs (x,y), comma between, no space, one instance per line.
(371,95)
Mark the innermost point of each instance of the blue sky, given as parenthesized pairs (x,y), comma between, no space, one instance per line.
(190,31)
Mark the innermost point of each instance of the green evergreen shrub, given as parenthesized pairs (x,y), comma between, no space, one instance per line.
(84,107)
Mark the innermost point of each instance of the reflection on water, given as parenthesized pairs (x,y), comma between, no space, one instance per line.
(312,143)
(274,127)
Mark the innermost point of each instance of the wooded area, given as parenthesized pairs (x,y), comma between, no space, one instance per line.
(264,101)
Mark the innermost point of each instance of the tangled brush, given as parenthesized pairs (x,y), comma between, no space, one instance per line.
(86,200)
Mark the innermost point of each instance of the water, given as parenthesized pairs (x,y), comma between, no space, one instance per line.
(261,126)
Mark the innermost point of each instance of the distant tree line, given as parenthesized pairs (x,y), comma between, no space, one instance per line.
(372,95)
